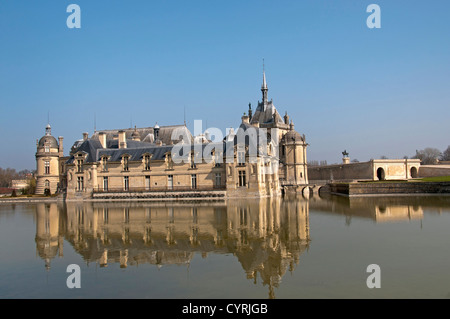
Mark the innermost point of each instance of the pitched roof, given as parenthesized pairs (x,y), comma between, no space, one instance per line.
(266,115)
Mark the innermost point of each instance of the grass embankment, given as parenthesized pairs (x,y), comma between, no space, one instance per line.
(424,179)
(434,179)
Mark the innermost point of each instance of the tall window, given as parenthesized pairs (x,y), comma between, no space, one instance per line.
(105,183)
(146,162)
(105,164)
(47,167)
(79,166)
(241,157)
(194,181)
(126,183)
(170,181)
(47,184)
(147,183)
(125,163)
(80,183)
(242,181)
(218,179)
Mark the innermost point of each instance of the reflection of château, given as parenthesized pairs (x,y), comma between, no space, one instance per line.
(266,235)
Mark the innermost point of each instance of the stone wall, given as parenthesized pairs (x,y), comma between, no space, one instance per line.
(341,172)
(388,188)
(434,170)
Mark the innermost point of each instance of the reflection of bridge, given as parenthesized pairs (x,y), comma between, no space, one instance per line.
(266,235)
(380,209)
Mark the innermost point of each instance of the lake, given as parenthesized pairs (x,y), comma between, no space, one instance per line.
(282,248)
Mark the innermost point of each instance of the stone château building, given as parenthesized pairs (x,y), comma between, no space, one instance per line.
(263,157)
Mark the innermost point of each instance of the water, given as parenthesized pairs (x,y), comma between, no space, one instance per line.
(268,248)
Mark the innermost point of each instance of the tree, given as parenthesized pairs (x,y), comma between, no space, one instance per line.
(383,157)
(8,174)
(428,155)
(355,160)
(446,154)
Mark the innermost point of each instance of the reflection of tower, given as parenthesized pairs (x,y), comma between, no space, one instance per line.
(269,235)
(49,227)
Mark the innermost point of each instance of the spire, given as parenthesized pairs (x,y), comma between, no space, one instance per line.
(264,88)
(264,84)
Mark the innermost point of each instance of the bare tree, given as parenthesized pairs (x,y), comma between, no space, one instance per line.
(428,155)
(446,154)
(8,174)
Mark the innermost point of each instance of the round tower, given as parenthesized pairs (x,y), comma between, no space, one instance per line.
(47,163)
(293,155)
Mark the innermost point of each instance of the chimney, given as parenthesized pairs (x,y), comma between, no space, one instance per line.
(122,139)
(102,139)
(61,148)
(85,136)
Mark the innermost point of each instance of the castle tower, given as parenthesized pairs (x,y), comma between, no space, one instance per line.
(293,154)
(48,155)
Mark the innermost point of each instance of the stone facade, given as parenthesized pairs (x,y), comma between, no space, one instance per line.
(262,156)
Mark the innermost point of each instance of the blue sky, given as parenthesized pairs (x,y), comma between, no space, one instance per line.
(372,92)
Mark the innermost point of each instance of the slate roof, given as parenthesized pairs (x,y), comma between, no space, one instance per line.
(146,134)
(267,115)
(50,140)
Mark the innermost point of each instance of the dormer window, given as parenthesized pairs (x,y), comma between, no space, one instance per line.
(104,164)
(169,161)
(147,162)
(193,165)
(47,149)
(241,157)
(125,162)
(217,158)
